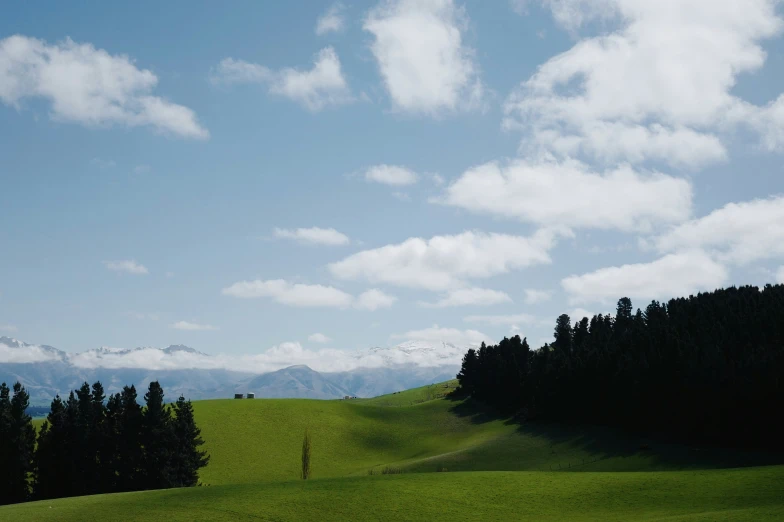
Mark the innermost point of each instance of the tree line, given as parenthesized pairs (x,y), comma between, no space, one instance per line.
(89,444)
(707,368)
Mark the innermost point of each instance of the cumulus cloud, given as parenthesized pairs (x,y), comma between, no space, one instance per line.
(418,46)
(578,313)
(283,292)
(657,87)
(469,297)
(89,86)
(445,262)
(374,299)
(533,296)
(391,175)
(318,338)
(186,325)
(21,353)
(321,86)
(129,266)
(277,357)
(333,20)
(304,295)
(671,276)
(435,334)
(314,235)
(738,233)
(568,193)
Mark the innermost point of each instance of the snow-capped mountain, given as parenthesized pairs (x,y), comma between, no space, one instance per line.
(46,371)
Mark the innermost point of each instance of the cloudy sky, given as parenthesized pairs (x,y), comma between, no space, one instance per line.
(352,174)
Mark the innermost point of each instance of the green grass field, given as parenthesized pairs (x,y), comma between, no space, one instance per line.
(496,470)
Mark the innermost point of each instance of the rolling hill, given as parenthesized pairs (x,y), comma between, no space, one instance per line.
(495,469)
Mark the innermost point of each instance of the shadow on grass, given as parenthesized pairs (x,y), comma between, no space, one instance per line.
(627,450)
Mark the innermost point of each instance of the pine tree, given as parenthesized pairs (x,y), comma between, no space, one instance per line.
(157,439)
(306,471)
(129,454)
(17,442)
(187,458)
(52,462)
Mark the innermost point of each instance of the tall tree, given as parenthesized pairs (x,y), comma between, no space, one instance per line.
(306,470)
(129,454)
(17,442)
(157,438)
(187,458)
(52,461)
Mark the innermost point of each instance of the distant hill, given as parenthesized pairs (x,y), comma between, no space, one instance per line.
(46,371)
(295,382)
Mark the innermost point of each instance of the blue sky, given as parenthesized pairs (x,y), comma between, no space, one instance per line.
(460,170)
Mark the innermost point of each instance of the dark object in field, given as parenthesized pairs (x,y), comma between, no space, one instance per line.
(306,472)
(238,396)
(251,396)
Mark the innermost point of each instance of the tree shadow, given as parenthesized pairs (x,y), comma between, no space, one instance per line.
(589,445)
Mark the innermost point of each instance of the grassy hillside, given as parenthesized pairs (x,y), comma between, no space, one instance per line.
(260,440)
(738,494)
(255,449)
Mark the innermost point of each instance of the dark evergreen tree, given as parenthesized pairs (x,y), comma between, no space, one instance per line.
(157,439)
(704,368)
(187,458)
(129,455)
(52,461)
(17,442)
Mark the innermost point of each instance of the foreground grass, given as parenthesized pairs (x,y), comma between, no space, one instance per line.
(497,470)
(260,440)
(735,494)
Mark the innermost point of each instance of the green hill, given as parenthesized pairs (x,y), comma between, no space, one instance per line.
(255,447)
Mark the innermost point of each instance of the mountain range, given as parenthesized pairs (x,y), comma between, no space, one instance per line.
(46,371)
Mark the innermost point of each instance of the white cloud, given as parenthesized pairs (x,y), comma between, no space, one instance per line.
(314,235)
(303,295)
(657,87)
(315,89)
(674,275)
(291,294)
(331,21)
(437,179)
(7,328)
(578,313)
(533,296)
(445,262)
(318,338)
(26,355)
(280,356)
(185,325)
(419,48)
(568,193)
(502,320)
(130,266)
(391,175)
(374,299)
(435,334)
(89,86)
(470,296)
(738,233)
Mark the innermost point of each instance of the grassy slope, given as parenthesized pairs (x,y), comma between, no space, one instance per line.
(255,447)
(737,494)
